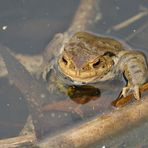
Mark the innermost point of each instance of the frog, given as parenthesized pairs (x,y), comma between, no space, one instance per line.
(83,59)
(87,58)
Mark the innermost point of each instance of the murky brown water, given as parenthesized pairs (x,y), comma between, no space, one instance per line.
(31,25)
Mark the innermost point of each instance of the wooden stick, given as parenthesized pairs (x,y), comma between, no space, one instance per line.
(120,102)
(100,127)
(31,63)
(87,14)
(130,21)
(140,29)
(17,141)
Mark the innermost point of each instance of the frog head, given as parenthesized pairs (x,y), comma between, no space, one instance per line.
(83,61)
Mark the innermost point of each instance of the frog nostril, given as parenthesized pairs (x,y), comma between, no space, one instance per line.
(86,68)
(72,66)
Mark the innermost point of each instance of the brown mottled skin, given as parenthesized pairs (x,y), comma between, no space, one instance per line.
(88,58)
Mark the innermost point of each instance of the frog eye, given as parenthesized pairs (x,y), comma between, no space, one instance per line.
(96,64)
(64,60)
(110,54)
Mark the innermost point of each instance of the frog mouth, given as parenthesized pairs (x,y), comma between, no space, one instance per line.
(79,76)
(88,74)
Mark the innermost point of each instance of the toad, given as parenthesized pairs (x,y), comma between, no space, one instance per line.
(87,58)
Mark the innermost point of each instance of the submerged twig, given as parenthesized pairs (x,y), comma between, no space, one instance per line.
(140,29)
(87,14)
(31,63)
(130,21)
(34,92)
(124,100)
(15,142)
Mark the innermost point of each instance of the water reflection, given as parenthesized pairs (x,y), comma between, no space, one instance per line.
(83,94)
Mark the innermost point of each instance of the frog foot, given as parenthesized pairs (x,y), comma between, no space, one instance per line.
(131,89)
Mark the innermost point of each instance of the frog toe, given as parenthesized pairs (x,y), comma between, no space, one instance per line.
(131,89)
(125,91)
(136,92)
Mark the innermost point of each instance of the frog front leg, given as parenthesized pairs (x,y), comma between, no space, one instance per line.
(134,67)
(50,54)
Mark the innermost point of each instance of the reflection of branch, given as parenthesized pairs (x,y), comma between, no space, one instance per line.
(124,100)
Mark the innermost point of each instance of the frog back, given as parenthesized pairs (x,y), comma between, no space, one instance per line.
(96,44)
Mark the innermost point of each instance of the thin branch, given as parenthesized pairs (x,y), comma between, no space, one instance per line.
(16,142)
(129,21)
(87,14)
(140,29)
(120,102)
